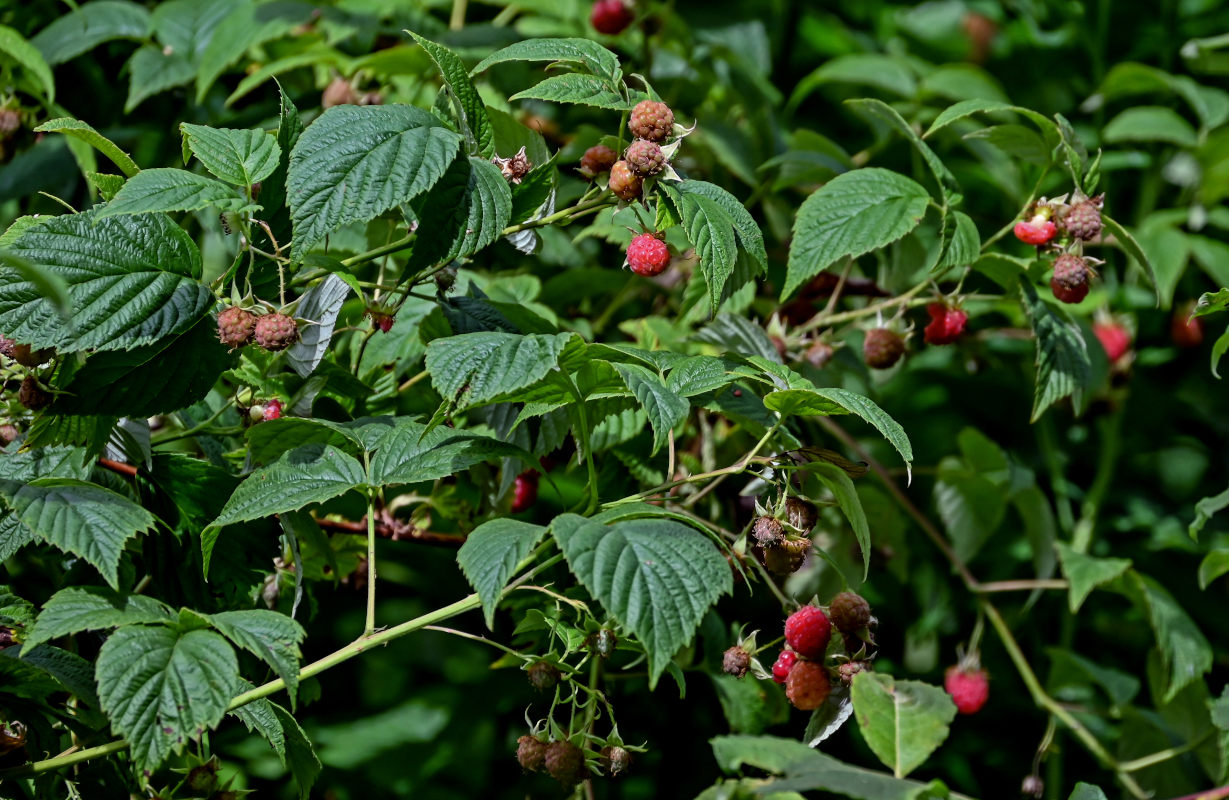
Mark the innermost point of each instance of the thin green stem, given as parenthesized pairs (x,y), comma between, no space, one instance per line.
(906,299)
(383,250)
(371,559)
(1161,756)
(591,467)
(457,21)
(1006,229)
(195,429)
(603,200)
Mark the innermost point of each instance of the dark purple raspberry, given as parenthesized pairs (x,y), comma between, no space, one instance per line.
(882,348)
(598,159)
(645,157)
(543,676)
(849,612)
(33,396)
(530,752)
(1070,279)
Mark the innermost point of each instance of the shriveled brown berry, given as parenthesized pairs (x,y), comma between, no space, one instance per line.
(736,661)
(788,558)
(530,752)
(882,348)
(27,356)
(768,531)
(615,760)
(236,326)
(849,612)
(849,669)
(543,676)
(275,331)
(33,396)
(645,157)
(801,514)
(819,354)
(565,762)
(625,183)
(515,167)
(807,686)
(339,93)
(651,120)
(598,159)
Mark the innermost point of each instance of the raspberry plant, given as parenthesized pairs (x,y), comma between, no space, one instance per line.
(413,395)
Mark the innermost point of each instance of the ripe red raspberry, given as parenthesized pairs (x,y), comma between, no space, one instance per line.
(651,120)
(969,688)
(807,631)
(543,675)
(380,319)
(850,612)
(524,491)
(801,514)
(736,661)
(1083,220)
(625,184)
(610,16)
(1038,231)
(1114,338)
(645,157)
(530,752)
(647,255)
(273,410)
(275,331)
(784,664)
(598,159)
(1070,279)
(882,348)
(807,686)
(33,396)
(339,93)
(565,762)
(946,324)
(1186,331)
(235,326)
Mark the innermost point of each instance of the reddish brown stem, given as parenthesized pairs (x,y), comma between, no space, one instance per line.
(115,466)
(396,533)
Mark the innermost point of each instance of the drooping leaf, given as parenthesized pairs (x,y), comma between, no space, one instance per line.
(1132,248)
(145,267)
(657,577)
(1063,365)
(600,61)
(163,687)
(491,553)
(830,400)
(321,304)
(92,608)
(272,637)
(841,486)
(903,722)
(949,189)
(849,216)
(84,28)
(710,229)
(1085,573)
(356,162)
(14,48)
(240,157)
(664,408)
(1185,651)
(287,739)
(574,87)
(473,110)
(82,131)
(465,211)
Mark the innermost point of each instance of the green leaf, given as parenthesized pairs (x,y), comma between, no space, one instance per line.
(745,227)
(849,216)
(413,453)
(600,61)
(155,379)
(19,51)
(1184,649)
(88,521)
(356,162)
(1063,365)
(162,687)
(949,189)
(1086,791)
(963,245)
(161,190)
(1132,248)
(309,474)
(92,608)
(903,722)
(131,281)
(72,671)
(829,400)
(1085,573)
(286,738)
(769,753)
(711,232)
(84,28)
(272,637)
(84,132)
(490,555)
(1213,565)
(322,305)
(247,26)
(1205,509)
(152,70)
(656,577)
(1151,124)
(841,486)
(862,69)
(241,157)
(466,211)
(664,408)
(478,368)
(473,111)
(586,90)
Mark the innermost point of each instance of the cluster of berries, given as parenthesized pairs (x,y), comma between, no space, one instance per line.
(883,346)
(565,762)
(1049,221)
(801,666)
(782,538)
(31,394)
(238,327)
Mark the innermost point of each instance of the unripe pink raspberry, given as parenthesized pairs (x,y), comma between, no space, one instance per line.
(625,183)
(651,120)
(235,326)
(968,686)
(276,331)
(645,157)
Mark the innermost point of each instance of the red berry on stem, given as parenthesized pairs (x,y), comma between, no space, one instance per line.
(1114,338)
(807,686)
(273,409)
(946,324)
(598,159)
(1037,231)
(1186,331)
(850,612)
(524,491)
(807,631)
(235,326)
(785,662)
(647,255)
(610,16)
(969,688)
(1070,279)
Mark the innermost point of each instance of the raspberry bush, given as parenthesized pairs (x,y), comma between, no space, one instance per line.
(615,399)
